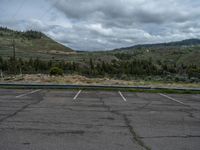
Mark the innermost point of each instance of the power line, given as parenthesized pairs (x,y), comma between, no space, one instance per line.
(12,18)
(13,39)
(18,9)
(48,10)
(15,14)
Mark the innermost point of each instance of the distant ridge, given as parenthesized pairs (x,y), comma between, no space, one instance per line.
(187,42)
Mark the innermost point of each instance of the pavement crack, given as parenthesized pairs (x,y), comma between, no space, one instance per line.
(184,136)
(190,113)
(135,136)
(20,110)
(145,105)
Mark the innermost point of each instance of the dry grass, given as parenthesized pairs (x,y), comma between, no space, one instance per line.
(81,80)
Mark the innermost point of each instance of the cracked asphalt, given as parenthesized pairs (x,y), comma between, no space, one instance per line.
(97,120)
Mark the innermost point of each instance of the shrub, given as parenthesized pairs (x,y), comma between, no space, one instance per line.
(56,71)
(179,78)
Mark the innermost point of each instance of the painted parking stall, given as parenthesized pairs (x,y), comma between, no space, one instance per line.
(67,119)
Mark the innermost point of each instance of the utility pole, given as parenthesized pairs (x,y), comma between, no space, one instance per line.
(14,56)
(13,44)
(20,70)
(1,74)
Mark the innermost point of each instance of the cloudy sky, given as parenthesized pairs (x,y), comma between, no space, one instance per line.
(105,24)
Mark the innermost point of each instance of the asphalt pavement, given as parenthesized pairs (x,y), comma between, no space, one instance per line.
(98,120)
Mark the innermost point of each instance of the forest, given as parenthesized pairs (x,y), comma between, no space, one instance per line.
(127,70)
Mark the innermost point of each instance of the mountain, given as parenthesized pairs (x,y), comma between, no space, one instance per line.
(183,43)
(30,44)
(180,52)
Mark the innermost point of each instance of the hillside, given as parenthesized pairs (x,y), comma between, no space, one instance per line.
(183,43)
(33,44)
(175,61)
(30,44)
(180,52)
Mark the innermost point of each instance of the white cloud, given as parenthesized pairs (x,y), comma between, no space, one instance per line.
(103,24)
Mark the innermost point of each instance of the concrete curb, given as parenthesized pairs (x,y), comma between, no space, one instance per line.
(70,86)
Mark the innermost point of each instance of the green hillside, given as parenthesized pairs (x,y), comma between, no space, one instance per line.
(183,43)
(37,53)
(182,52)
(30,44)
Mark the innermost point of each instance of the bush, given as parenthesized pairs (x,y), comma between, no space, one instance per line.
(179,78)
(56,71)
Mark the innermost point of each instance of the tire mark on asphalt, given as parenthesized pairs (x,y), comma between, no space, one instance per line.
(21,109)
(65,123)
(73,132)
(135,136)
(52,131)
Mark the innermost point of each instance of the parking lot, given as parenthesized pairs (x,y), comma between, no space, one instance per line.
(98,120)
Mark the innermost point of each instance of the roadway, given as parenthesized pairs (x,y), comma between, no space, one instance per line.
(98,120)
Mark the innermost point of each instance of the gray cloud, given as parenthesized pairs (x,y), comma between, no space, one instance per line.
(103,24)
(143,11)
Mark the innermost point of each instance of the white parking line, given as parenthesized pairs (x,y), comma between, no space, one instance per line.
(122,96)
(77,94)
(172,99)
(28,93)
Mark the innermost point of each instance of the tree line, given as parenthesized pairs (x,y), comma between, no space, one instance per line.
(30,34)
(32,66)
(118,69)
